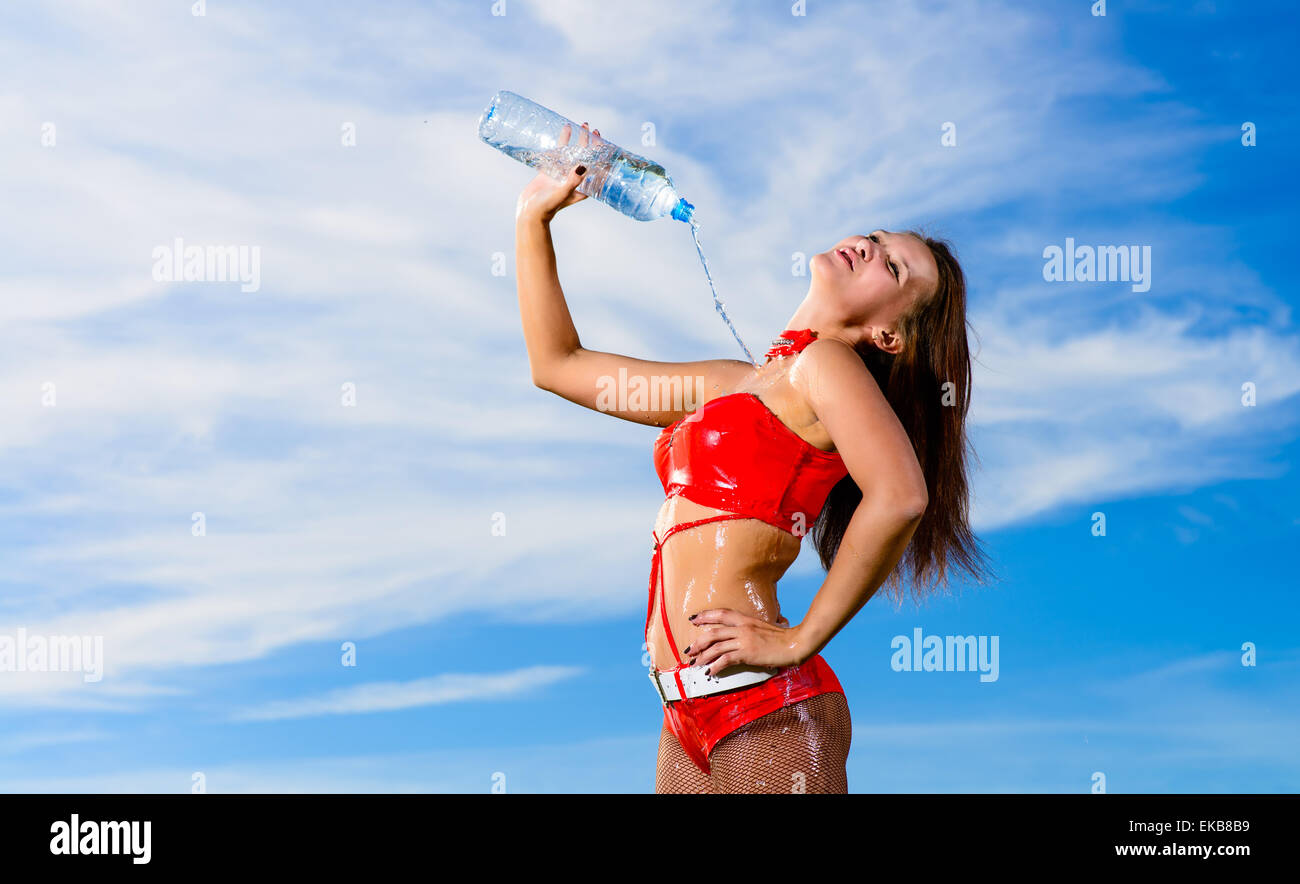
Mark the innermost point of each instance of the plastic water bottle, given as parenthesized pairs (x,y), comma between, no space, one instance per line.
(636,186)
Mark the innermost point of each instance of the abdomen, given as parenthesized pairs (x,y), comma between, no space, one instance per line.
(734,564)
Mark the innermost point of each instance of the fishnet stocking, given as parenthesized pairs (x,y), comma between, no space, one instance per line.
(799,748)
(675,771)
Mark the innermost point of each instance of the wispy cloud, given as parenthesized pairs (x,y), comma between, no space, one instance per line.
(17,743)
(389,696)
(325,520)
(1196,739)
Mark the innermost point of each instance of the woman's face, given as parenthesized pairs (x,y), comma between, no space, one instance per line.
(872,280)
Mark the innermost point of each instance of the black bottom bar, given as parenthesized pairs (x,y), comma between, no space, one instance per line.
(300,832)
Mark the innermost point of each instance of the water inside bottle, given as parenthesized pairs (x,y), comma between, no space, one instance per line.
(717,302)
(556,160)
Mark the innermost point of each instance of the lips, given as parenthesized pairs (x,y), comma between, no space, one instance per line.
(845,255)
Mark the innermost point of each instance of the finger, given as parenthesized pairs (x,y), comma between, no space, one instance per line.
(575,178)
(584,136)
(569,186)
(709,638)
(565,131)
(721,657)
(719,616)
(595,135)
(714,651)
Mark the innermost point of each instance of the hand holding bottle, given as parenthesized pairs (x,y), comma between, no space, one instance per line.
(544,195)
(539,137)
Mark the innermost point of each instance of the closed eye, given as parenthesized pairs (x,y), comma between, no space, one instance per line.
(893,268)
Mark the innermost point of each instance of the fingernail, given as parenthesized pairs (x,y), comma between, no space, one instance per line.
(581,170)
(686,650)
(693,616)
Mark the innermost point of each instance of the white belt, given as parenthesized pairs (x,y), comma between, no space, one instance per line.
(698,684)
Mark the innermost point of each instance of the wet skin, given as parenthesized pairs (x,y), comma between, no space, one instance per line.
(734,563)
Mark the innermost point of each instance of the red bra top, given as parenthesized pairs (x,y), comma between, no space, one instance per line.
(734,454)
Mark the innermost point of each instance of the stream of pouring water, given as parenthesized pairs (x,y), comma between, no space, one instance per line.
(722,310)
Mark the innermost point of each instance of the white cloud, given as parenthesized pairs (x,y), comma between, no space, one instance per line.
(787,134)
(18,743)
(389,696)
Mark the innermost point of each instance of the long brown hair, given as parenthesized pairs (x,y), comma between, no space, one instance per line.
(928,384)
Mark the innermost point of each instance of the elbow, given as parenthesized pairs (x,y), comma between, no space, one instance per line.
(543,374)
(912,509)
(906,506)
(548,370)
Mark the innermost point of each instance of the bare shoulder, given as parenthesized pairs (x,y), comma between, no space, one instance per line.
(730,373)
(719,377)
(860,421)
(828,369)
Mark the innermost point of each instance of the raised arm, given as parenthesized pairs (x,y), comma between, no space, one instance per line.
(605,382)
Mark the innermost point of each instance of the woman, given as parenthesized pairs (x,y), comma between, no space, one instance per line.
(853,427)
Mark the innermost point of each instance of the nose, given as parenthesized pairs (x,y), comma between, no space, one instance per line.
(866,248)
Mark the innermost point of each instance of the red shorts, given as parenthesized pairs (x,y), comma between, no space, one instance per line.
(700,722)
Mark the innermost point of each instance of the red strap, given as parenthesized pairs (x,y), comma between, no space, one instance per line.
(792,341)
(656,584)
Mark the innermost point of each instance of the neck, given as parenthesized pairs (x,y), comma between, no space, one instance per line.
(809,316)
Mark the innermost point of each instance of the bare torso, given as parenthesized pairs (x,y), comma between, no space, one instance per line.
(734,563)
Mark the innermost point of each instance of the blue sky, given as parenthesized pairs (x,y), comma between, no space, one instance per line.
(481,655)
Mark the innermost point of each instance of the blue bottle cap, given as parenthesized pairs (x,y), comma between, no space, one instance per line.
(683,211)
